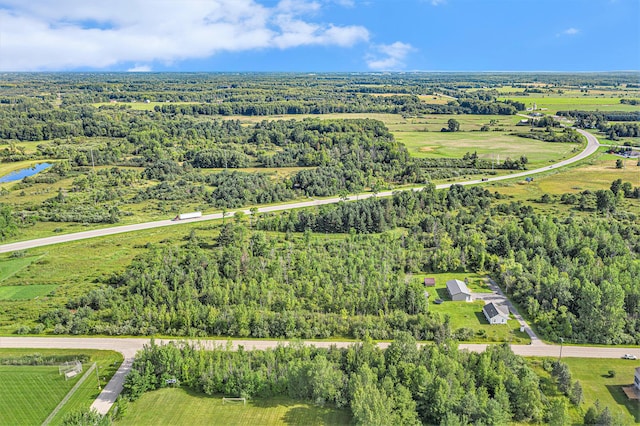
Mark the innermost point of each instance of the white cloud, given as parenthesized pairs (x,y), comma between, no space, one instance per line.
(140,68)
(438,2)
(389,57)
(571,31)
(66,34)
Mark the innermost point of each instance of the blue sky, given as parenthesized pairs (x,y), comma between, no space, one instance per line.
(319,35)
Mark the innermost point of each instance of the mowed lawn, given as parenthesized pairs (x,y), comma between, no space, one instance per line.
(179,406)
(597,386)
(29,393)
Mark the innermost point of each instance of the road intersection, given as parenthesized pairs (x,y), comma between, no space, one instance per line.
(129,347)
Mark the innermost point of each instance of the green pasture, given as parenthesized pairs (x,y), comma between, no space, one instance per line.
(12,265)
(30,393)
(25,292)
(15,146)
(557,103)
(488,145)
(179,406)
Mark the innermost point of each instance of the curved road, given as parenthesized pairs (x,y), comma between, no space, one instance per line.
(129,347)
(592,146)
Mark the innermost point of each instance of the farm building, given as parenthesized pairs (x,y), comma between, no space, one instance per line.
(458,291)
(495,314)
(429,282)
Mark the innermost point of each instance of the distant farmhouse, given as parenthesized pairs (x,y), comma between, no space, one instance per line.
(429,282)
(495,314)
(458,291)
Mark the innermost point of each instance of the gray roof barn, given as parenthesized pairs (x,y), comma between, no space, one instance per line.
(458,290)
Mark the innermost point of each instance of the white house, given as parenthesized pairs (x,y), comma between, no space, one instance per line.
(458,291)
(495,314)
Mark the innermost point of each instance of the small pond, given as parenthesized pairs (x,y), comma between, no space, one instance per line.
(23,173)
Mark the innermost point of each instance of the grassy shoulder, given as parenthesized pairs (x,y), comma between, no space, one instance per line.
(33,392)
(180,406)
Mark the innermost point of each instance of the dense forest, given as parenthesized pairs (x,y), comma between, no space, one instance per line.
(404,384)
(574,277)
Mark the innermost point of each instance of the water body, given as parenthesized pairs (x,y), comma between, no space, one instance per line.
(23,173)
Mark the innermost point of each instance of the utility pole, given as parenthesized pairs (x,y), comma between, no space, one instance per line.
(561,342)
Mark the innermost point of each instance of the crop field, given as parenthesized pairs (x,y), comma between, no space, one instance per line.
(184,407)
(29,393)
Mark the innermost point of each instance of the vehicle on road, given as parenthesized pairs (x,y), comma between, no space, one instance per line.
(192,215)
(629,356)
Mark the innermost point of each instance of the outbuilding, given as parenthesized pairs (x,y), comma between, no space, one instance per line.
(429,282)
(458,291)
(496,314)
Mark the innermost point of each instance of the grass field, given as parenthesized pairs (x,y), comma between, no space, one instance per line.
(180,406)
(489,146)
(25,292)
(595,173)
(28,394)
(597,386)
(11,266)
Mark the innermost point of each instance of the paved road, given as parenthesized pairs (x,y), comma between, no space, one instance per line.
(129,347)
(592,146)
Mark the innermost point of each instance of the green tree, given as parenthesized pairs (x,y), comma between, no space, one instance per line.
(558,414)
(453,125)
(370,405)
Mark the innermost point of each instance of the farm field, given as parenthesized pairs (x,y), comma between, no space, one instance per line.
(488,145)
(554,104)
(30,393)
(184,407)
